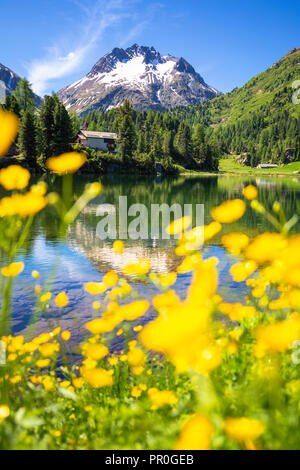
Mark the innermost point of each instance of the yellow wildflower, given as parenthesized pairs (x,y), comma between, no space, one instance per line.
(196,434)
(110,279)
(167,280)
(14,177)
(35,274)
(48,349)
(136,392)
(140,268)
(250,192)
(95,351)
(235,242)
(277,337)
(66,163)
(46,297)
(62,299)
(4,410)
(229,211)
(78,383)
(96,305)
(97,377)
(266,247)
(12,270)
(66,335)
(9,126)
(134,310)
(241,271)
(95,288)
(179,225)
(118,246)
(243,429)
(41,363)
(160,398)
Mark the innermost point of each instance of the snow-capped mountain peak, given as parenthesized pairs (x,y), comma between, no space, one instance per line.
(140,74)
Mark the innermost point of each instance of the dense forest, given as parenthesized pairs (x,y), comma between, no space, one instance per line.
(258,122)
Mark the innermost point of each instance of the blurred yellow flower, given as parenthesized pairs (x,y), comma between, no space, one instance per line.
(12,270)
(136,392)
(110,279)
(160,398)
(196,434)
(35,274)
(140,268)
(4,412)
(46,297)
(118,246)
(250,192)
(179,225)
(61,299)
(134,310)
(14,177)
(229,211)
(48,349)
(266,247)
(235,242)
(277,337)
(96,305)
(66,335)
(243,429)
(22,204)
(41,363)
(66,163)
(241,271)
(94,288)
(167,280)
(9,126)
(95,351)
(97,377)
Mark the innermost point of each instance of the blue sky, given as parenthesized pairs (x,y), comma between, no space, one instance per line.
(56,42)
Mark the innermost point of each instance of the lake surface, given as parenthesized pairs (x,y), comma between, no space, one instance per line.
(85,258)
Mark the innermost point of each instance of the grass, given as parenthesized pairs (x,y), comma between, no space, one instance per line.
(230,165)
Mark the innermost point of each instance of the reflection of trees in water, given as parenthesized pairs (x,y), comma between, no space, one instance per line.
(207,190)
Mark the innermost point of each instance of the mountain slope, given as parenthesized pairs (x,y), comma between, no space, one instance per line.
(260,118)
(270,90)
(141,75)
(8,80)
(8,83)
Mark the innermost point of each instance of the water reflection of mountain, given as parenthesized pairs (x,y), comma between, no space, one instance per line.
(82,237)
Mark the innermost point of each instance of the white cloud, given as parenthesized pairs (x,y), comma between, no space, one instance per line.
(56,64)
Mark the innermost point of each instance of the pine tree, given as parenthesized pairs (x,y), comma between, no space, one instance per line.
(24,95)
(27,138)
(127,132)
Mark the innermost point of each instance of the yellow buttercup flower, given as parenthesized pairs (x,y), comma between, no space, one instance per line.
(40,188)
(160,398)
(167,300)
(95,351)
(12,270)
(118,246)
(140,268)
(4,412)
(14,177)
(66,335)
(110,279)
(96,305)
(266,247)
(48,349)
(42,363)
(277,337)
(136,357)
(250,192)
(179,225)
(189,263)
(9,126)
(134,310)
(97,378)
(235,242)
(167,280)
(46,297)
(22,204)
(229,211)
(66,163)
(237,312)
(35,274)
(95,288)
(241,271)
(243,429)
(136,392)
(62,299)
(196,434)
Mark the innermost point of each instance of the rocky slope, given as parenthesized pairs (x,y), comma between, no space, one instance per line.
(140,74)
(8,83)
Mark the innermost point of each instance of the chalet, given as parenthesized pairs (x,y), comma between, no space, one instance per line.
(105,141)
